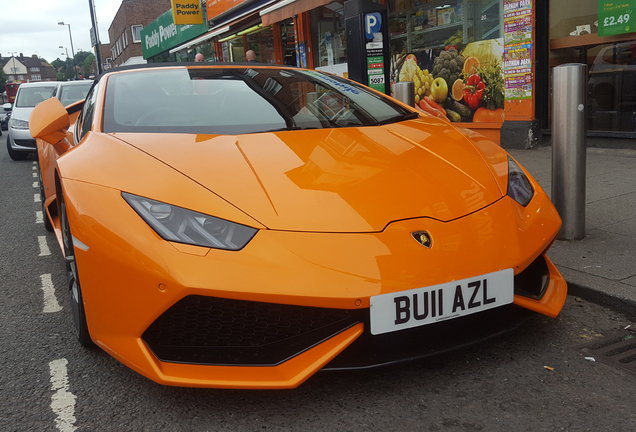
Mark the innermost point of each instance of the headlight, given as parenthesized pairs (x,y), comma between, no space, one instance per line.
(519,187)
(186,226)
(19,124)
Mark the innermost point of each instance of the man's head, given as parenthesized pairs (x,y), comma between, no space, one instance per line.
(250,56)
(199,57)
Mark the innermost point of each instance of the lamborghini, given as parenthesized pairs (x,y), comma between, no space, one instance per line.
(245,226)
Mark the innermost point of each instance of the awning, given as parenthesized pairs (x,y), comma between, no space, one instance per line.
(288,8)
(232,23)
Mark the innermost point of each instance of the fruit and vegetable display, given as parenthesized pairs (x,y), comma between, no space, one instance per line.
(466,86)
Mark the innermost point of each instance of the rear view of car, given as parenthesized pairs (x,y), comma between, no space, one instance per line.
(19,140)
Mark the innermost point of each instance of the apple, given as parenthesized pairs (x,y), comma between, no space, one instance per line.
(439,90)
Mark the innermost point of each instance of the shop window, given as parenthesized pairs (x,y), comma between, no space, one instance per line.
(416,25)
(437,45)
(329,37)
(612,87)
(233,50)
(262,43)
(288,39)
(207,49)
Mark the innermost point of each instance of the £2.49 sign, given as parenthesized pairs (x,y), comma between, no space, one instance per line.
(616,17)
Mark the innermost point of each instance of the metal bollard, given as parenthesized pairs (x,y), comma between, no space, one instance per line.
(404,91)
(569,83)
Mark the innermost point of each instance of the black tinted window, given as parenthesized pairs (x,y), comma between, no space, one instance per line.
(239,101)
(87,114)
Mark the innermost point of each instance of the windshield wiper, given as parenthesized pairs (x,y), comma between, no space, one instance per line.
(399,118)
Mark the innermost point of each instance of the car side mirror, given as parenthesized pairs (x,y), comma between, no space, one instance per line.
(49,121)
(7,107)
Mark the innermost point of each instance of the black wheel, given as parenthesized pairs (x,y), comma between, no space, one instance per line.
(47,221)
(77,302)
(15,155)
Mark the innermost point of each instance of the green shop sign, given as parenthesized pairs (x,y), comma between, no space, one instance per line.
(616,17)
(163,34)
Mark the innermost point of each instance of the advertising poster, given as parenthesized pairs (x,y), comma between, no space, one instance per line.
(518,49)
(616,17)
(518,71)
(463,83)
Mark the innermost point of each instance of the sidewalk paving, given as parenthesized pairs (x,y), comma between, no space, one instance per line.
(602,266)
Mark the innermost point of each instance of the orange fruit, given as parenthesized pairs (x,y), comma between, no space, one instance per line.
(469,64)
(458,90)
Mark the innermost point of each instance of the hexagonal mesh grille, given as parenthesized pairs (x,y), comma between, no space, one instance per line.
(203,329)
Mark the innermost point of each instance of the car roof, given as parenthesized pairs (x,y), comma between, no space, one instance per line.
(73,83)
(228,65)
(40,84)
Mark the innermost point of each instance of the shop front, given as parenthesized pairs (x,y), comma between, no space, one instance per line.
(160,36)
(602,35)
(471,61)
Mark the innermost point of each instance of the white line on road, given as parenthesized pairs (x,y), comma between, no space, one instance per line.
(35,175)
(36,184)
(44,247)
(62,401)
(36,197)
(50,301)
(39,217)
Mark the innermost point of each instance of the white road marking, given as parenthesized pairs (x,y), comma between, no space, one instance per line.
(36,184)
(34,167)
(39,217)
(50,301)
(35,175)
(44,247)
(36,198)
(62,401)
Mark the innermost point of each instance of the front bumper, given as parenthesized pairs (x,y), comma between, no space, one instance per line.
(21,140)
(132,280)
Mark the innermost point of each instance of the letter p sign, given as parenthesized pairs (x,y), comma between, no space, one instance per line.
(372,24)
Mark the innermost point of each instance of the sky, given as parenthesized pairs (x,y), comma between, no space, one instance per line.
(32,27)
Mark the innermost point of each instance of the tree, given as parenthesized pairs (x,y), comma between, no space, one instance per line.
(57,63)
(3,80)
(88,61)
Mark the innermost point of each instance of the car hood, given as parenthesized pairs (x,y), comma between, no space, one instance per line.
(335,180)
(21,113)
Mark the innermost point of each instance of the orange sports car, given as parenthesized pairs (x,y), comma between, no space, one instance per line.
(245,226)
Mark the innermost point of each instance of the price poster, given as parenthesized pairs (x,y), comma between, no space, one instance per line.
(616,17)
(518,48)
(517,22)
(518,71)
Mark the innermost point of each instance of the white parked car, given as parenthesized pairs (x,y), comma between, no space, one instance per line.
(19,140)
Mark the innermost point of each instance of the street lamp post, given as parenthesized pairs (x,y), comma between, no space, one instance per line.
(72,50)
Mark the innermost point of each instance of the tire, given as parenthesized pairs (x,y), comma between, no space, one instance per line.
(77,301)
(47,221)
(15,155)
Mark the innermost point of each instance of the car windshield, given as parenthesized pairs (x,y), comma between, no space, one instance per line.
(69,94)
(240,101)
(28,97)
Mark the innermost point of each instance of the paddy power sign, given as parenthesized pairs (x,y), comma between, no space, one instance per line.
(186,12)
(163,34)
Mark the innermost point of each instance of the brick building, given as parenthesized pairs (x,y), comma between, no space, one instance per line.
(28,69)
(125,30)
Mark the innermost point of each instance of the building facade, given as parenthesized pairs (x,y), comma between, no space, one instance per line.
(125,30)
(510,45)
(28,69)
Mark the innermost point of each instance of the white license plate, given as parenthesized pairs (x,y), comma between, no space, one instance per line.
(421,306)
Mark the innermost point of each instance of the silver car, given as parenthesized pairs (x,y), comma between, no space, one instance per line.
(19,140)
